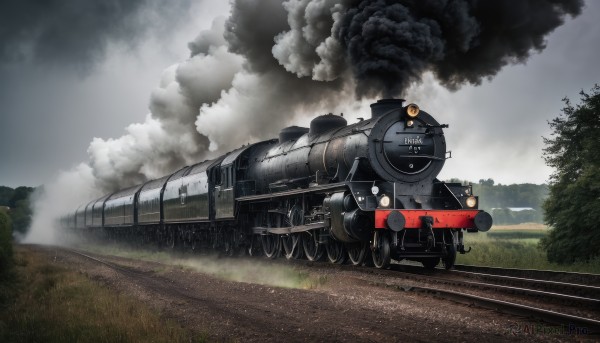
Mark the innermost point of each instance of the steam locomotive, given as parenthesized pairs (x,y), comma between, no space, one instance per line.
(365,192)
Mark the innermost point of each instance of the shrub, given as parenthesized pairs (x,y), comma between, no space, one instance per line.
(6,253)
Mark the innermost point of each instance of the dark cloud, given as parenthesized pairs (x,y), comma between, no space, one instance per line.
(74,33)
(390,44)
(250,30)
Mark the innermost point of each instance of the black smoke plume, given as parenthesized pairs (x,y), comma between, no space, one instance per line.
(390,44)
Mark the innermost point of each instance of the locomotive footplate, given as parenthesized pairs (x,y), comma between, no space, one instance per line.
(400,219)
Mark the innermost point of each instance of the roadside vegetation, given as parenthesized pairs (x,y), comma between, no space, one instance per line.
(573,205)
(17,203)
(7,273)
(517,246)
(54,304)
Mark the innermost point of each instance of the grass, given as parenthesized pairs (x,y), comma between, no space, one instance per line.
(55,304)
(516,246)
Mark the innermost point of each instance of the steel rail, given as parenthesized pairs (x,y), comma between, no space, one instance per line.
(586,301)
(591,326)
(573,287)
(532,273)
(418,275)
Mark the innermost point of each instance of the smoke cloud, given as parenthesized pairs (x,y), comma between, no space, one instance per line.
(168,139)
(263,97)
(388,44)
(270,64)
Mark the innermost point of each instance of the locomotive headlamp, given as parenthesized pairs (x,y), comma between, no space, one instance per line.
(471,202)
(384,201)
(375,190)
(412,110)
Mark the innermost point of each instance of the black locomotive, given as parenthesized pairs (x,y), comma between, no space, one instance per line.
(344,191)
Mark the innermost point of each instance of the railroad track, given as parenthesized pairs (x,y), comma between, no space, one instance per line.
(461,291)
(496,284)
(548,275)
(575,323)
(574,289)
(423,282)
(135,274)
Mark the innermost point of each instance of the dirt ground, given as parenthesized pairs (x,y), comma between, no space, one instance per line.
(329,304)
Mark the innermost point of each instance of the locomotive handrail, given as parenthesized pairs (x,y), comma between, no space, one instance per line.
(293,192)
(431,157)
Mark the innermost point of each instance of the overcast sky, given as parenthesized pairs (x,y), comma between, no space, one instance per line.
(50,112)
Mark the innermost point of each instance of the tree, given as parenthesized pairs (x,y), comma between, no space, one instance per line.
(20,210)
(572,208)
(5,194)
(20,193)
(488,182)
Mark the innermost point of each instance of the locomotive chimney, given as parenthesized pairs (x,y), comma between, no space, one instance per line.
(383,106)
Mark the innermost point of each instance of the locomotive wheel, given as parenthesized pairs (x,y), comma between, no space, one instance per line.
(381,251)
(159,239)
(430,263)
(254,249)
(171,238)
(227,249)
(449,260)
(312,249)
(358,252)
(271,245)
(292,246)
(194,243)
(336,252)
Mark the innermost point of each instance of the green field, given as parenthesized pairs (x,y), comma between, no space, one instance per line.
(515,246)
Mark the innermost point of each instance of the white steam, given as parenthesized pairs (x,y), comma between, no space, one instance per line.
(165,141)
(70,190)
(309,47)
(231,91)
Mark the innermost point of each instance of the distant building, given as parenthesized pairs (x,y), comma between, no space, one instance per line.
(519,209)
(514,209)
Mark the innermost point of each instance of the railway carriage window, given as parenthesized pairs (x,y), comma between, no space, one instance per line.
(217,177)
(227,177)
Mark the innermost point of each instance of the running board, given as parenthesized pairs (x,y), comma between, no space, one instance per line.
(287,230)
(330,187)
